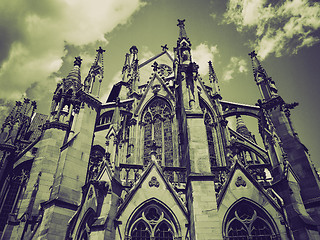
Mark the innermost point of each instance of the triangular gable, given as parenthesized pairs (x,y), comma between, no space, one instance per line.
(150,60)
(152,184)
(90,201)
(105,174)
(163,61)
(164,91)
(241,184)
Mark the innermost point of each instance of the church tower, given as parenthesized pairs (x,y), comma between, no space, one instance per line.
(158,159)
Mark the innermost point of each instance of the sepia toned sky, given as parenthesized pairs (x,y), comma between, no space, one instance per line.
(39,40)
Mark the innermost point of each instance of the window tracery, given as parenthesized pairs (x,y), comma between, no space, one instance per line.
(152,222)
(158,127)
(209,123)
(95,162)
(12,189)
(248,221)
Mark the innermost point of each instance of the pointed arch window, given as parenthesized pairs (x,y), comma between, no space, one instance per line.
(209,123)
(248,221)
(152,222)
(12,190)
(84,229)
(96,162)
(140,231)
(157,119)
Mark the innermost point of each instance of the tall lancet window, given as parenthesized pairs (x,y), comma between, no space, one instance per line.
(209,123)
(157,119)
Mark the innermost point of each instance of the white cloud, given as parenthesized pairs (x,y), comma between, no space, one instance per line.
(36,55)
(235,66)
(202,54)
(281,28)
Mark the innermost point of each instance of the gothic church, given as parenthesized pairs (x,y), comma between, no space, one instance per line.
(157,160)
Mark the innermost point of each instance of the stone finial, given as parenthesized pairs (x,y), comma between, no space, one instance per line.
(77,61)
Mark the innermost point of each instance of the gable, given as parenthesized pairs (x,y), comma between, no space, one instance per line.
(163,60)
(152,188)
(241,186)
(156,88)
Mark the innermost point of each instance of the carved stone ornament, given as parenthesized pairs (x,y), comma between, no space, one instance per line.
(154,182)
(240,182)
(90,193)
(164,70)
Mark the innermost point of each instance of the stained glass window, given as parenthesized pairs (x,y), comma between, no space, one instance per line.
(95,162)
(140,231)
(248,221)
(84,229)
(152,222)
(208,121)
(163,231)
(13,188)
(147,137)
(158,127)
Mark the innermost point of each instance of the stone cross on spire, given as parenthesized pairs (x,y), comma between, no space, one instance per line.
(100,50)
(77,61)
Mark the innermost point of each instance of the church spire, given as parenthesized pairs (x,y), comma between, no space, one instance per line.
(242,129)
(93,81)
(266,85)
(74,77)
(19,119)
(130,70)
(214,82)
(183,50)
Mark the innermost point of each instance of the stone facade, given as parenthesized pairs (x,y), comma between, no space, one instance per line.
(157,160)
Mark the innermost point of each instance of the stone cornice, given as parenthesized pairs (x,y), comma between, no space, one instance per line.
(60,203)
(57,125)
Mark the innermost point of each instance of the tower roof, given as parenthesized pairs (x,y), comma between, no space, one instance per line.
(182,33)
(74,75)
(242,129)
(91,84)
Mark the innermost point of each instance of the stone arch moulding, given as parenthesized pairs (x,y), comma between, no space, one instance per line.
(250,220)
(85,224)
(146,102)
(149,101)
(153,213)
(210,110)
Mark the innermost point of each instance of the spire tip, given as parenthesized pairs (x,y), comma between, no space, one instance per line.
(77,61)
(253,54)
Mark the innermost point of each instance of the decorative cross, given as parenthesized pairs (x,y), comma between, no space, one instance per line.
(181,22)
(100,50)
(155,66)
(77,61)
(164,47)
(252,54)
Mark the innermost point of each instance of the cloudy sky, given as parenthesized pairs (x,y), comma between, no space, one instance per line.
(39,40)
